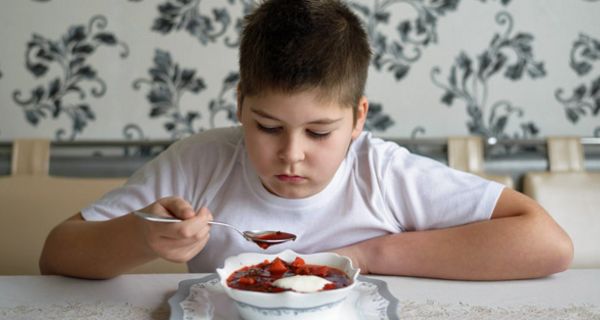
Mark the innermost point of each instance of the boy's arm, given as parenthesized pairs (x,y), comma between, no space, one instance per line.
(104,249)
(95,249)
(520,241)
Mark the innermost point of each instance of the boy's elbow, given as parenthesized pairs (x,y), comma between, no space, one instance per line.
(45,268)
(564,253)
(45,260)
(560,249)
(555,247)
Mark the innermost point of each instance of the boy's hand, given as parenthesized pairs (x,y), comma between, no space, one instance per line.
(178,241)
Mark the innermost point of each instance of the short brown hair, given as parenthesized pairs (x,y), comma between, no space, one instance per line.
(294,45)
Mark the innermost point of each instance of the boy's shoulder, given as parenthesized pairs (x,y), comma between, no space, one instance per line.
(371,153)
(368,144)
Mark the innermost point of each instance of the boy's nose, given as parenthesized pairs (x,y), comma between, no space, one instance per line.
(291,151)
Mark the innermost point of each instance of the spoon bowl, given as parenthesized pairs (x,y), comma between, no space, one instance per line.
(263,238)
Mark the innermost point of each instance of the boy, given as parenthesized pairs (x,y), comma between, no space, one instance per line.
(300,163)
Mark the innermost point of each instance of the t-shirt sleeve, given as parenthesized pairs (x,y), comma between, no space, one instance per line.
(160,177)
(425,194)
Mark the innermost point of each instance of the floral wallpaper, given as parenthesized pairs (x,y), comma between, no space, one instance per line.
(165,69)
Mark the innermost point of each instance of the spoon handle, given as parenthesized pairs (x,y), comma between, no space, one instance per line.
(155,218)
(227,225)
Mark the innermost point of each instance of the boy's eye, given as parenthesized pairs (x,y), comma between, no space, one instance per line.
(275,130)
(317,135)
(271,130)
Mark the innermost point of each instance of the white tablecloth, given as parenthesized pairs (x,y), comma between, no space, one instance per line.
(574,294)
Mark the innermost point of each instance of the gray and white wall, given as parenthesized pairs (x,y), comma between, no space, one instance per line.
(164,69)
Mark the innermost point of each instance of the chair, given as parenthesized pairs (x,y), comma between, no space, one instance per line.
(32,203)
(572,196)
(466,154)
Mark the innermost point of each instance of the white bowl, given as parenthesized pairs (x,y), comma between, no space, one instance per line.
(254,305)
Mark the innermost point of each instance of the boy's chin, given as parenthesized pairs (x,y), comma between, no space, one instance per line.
(291,192)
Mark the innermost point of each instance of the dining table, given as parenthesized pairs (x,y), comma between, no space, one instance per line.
(572,294)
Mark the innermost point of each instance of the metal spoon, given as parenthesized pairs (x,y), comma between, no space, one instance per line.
(263,239)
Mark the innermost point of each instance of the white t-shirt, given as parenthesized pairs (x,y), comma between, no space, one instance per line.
(379,189)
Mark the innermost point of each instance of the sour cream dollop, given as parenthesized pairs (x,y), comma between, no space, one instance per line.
(302,283)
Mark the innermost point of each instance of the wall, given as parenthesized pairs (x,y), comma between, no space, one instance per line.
(163,69)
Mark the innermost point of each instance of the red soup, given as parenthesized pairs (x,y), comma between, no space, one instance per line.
(260,277)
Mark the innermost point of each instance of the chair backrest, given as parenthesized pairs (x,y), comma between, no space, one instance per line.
(565,154)
(32,203)
(571,196)
(466,154)
(30,157)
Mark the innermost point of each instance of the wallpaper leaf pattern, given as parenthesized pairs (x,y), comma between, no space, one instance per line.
(185,14)
(585,52)
(133,132)
(396,56)
(504,2)
(226,101)
(168,82)
(582,99)
(468,81)
(70,53)
(377,120)
(70,85)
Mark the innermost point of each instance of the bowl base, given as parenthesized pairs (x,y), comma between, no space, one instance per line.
(328,311)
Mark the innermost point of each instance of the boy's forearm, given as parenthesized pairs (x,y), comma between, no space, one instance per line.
(509,248)
(95,250)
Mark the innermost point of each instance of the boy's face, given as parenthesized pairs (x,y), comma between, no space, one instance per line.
(297,142)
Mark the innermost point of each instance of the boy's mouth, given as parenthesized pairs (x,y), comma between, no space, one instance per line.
(290,178)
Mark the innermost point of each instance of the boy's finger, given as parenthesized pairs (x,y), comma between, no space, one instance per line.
(186,232)
(178,207)
(204,212)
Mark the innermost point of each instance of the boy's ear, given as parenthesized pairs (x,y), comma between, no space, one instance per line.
(361,117)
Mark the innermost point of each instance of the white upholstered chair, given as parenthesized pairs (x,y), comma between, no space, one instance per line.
(571,196)
(466,154)
(32,203)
